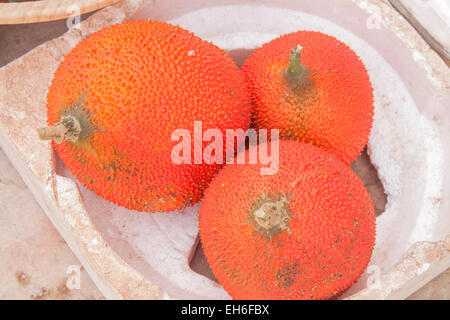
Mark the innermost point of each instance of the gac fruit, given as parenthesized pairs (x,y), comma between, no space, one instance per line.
(117,97)
(306,232)
(313,88)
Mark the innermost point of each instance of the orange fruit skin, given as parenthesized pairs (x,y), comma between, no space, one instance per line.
(335,113)
(141,80)
(331,227)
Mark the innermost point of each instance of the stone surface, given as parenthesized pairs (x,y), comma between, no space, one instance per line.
(36,263)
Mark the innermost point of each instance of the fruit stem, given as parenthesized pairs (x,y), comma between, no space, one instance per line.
(295,72)
(271,216)
(67,129)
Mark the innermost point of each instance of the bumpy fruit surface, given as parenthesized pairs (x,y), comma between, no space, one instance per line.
(313,88)
(306,232)
(129,86)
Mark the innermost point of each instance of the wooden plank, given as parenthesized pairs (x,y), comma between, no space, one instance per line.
(47,10)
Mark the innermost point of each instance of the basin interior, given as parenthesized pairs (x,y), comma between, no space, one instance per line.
(405,139)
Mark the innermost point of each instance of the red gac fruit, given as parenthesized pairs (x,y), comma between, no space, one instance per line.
(313,88)
(119,95)
(306,232)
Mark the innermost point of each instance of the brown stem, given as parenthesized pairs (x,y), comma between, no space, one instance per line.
(272,216)
(67,129)
(295,73)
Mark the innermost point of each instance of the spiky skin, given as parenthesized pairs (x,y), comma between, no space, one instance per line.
(133,84)
(332,109)
(324,248)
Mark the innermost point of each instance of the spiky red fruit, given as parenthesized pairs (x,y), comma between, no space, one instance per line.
(130,86)
(321,94)
(306,232)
